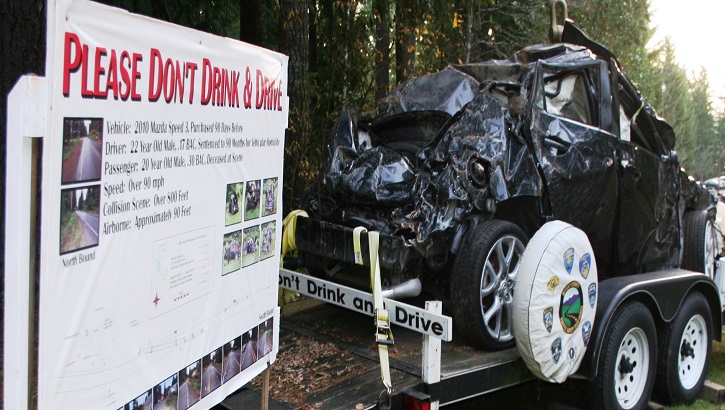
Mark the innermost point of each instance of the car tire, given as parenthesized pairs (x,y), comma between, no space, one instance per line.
(700,248)
(627,361)
(685,348)
(482,280)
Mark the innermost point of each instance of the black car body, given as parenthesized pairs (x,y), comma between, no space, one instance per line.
(555,132)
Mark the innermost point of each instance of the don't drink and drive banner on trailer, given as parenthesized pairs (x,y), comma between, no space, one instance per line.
(161,212)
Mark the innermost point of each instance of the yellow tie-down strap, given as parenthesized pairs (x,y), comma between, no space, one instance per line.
(289,226)
(383,333)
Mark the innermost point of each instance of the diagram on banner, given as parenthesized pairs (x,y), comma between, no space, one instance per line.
(181,270)
(98,354)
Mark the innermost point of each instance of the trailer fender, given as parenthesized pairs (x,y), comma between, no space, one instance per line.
(663,292)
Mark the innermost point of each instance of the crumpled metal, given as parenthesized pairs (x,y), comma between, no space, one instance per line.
(465,141)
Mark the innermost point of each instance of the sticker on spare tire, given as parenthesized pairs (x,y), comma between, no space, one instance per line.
(570,307)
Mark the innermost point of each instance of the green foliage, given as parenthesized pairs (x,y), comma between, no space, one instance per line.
(622,27)
(685,104)
(345,64)
(719,142)
(705,157)
(674,104)
(477,30)
(219,17)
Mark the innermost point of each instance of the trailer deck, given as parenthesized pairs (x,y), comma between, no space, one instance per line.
(328,360)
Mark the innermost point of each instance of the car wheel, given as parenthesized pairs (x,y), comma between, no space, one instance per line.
(685,347)
(482,281)
(627,361)
(700,243)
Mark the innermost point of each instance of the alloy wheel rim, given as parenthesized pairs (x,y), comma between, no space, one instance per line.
(496,287)
(710,250)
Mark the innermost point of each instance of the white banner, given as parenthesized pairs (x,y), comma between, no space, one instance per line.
(161,212)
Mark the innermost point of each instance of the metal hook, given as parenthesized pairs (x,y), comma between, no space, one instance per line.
(386,404)
(556,30)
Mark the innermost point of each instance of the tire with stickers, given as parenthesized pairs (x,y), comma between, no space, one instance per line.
(555,301)
(700,243)
(627,361)
(685,348)
(482,281)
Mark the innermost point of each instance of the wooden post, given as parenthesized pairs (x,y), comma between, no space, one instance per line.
(431,371)
(265,389)
(26,113)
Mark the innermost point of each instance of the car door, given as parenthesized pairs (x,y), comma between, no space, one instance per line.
(576,151)
(649,229)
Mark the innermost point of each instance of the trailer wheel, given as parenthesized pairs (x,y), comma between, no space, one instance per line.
(482,283)
(700,243)
(627,361)
(685,350)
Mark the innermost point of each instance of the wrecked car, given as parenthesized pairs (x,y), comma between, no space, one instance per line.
(457,169)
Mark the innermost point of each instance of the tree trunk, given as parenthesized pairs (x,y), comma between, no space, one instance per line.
(313,35)
(250,21)
(404,39)
(294,19)
(382,48)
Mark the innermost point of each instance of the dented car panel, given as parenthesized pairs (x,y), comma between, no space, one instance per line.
(554,132)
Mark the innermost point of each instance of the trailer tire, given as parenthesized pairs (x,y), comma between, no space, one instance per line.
(555,302)
(627,361)
(482,280)
(685,348)
(700,248)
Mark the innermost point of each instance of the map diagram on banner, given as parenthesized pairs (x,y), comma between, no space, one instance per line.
(181,270)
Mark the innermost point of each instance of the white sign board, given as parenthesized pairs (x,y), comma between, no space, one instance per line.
(401,314)
(161,212)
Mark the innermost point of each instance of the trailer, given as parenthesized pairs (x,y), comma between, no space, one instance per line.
(343,371)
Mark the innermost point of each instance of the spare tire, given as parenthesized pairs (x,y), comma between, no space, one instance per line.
(555,301)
